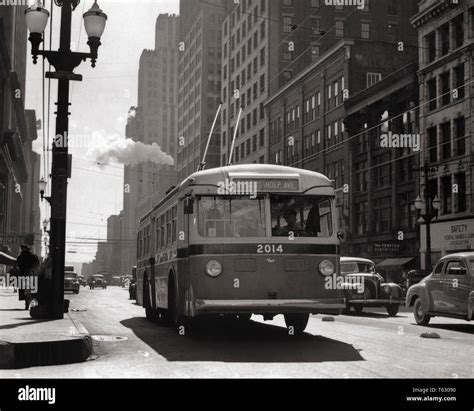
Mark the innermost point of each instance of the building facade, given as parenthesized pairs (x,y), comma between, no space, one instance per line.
(384,146)
(267,44)
(19,214)
(446,38)
(200,69)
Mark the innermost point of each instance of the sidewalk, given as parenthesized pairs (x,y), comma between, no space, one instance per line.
(25,342)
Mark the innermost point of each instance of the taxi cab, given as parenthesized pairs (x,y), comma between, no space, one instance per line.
(446,292)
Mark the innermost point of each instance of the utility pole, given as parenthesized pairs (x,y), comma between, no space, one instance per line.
(64,61)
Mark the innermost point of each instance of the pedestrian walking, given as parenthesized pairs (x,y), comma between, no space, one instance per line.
(28,264)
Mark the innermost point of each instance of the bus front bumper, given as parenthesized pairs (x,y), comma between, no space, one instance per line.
(323,306)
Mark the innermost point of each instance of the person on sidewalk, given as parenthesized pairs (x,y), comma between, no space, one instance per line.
(43,296)
(28,264)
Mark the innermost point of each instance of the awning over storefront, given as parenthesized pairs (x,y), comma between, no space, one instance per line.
(7,259)
(395,262)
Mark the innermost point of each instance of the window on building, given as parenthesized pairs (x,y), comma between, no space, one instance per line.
(458,31)
(287,24)
(393,7)
(459,80)
(447,190)
(460,130)
(432,94)
(460,180)
(365,31)
(362,217)
(446,140)
(433,144)
(383,212)
(444,37)
(430,44)
(445,88)
(339,28)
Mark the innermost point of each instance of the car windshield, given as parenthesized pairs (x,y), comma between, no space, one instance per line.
(357,267)
(225,217)
(301,216)
(98,277)
(70,275)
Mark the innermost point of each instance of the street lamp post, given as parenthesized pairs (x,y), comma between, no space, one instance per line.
(428,210)
(64,61)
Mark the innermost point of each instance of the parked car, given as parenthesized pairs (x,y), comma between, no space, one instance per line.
(97,281)
(367,288)
(71,282)
(447,292)
(82,280)
(412,277)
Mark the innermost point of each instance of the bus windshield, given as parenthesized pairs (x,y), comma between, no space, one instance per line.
(226,217)
(301,216)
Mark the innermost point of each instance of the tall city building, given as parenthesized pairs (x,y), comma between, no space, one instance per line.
(200,68)
(446,39)
(158,102)
(267,44)
(153,121)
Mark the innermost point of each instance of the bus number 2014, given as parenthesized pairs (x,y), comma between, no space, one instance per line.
(270,249)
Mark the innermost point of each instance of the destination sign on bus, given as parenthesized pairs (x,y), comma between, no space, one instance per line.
(273,185)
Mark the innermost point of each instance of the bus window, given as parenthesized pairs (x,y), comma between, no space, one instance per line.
(231,217)
(304,216)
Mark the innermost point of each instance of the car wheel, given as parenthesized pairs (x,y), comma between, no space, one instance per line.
(392,309)
(296,322)
(421,317)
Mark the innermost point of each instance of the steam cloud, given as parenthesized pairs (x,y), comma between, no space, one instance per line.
(130,153)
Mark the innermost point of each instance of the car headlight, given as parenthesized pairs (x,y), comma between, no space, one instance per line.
(326,267)
(387,289)
(214,268)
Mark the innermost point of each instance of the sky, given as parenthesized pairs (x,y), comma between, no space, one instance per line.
(100,104)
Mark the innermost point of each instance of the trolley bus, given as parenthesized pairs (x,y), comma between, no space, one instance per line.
(241,240)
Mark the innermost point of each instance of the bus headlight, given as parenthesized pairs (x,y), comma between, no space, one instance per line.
(326,267)
(214,268)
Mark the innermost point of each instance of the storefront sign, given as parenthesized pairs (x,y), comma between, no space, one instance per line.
(450,236)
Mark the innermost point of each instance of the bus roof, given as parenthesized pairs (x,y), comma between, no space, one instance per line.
(215,176)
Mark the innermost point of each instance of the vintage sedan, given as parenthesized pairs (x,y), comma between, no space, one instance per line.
(447,292)
(71,282)
(364,287)
(97,281)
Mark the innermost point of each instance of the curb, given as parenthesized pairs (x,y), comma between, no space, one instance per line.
(75,349)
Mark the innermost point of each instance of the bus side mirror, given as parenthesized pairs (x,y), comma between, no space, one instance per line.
(341,235)
(189,206)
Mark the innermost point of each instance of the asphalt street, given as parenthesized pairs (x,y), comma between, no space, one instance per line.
(371,345)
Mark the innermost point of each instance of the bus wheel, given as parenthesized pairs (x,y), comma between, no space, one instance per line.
(173,304)
(150,313)
(296,323)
